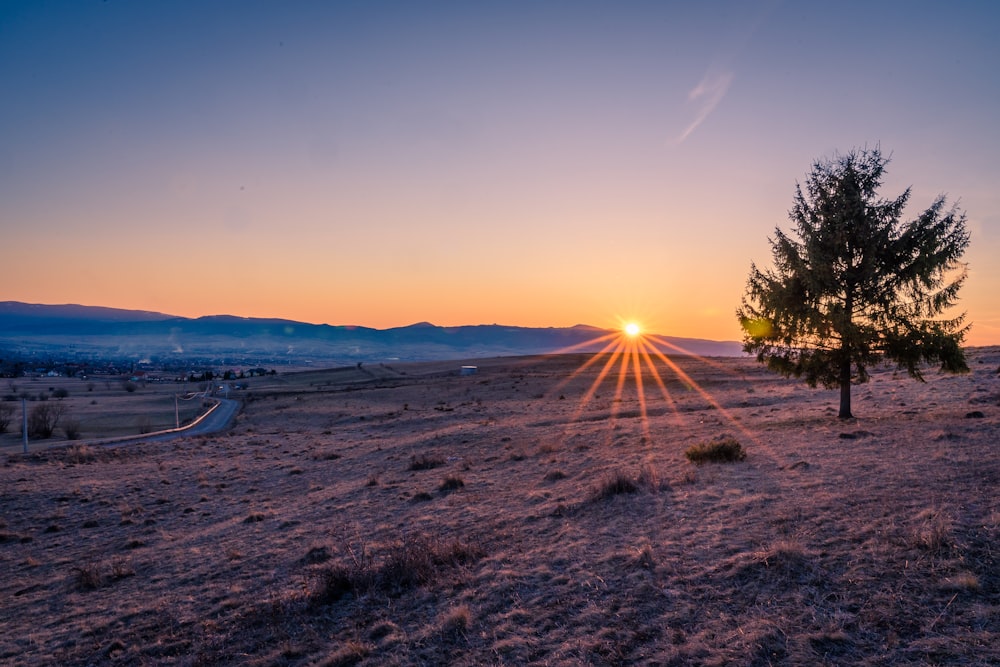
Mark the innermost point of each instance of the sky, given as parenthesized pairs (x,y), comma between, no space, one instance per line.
(540,163)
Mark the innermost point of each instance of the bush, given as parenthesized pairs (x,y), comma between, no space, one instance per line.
(721,450)
(619,482)
(60,392)
(616,484)
(425,462)
(414,561)
(71,427)
(43,419)
(451,483)
(6,416)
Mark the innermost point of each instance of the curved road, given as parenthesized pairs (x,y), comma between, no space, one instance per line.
(217,420)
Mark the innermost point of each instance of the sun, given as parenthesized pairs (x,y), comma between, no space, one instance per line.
(632,329)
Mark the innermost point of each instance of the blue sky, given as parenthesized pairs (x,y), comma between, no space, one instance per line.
(529,163)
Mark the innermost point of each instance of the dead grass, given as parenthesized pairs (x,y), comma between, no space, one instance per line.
(581,533)
(426,462)
(107,411)
(719,450)
(414,560)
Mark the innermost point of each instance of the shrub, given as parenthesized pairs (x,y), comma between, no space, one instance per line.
(71,427)
(88,576)
(620,482)
(456,620)
(616,483)
(451,483)
(414,561)
(80,454)
(425,462)
(92,575)
(129,386)
(6,416)
(934,532)
(721,450)
(43,419)
(60,392)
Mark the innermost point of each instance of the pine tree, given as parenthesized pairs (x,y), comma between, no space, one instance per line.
(853,286)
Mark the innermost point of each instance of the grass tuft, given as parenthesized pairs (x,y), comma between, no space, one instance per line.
(350,653)
(619,482)
(455,621)
(720,450)
(414,561)
(616,484)
(425,462)
(451,483)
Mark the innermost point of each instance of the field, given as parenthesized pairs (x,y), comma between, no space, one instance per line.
(98,408)
(522,515)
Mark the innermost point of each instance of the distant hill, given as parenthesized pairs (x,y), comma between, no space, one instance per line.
(96,332)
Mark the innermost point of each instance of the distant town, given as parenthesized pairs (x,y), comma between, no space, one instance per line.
(147,371)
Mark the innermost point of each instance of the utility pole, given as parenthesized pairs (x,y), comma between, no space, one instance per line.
(24,423)
(177,416)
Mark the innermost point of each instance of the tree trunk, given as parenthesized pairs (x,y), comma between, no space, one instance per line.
(846,336)
(845,390)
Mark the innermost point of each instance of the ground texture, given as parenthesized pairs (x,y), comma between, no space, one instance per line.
(526,514)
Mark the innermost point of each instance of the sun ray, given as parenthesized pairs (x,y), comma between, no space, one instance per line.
(615,340)
(640,388)
(687,353)
(704,394)
(636,353)
(593,341)
(613,357)
(671,403)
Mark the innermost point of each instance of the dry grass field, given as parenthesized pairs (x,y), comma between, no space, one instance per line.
(98,408)
(409,515)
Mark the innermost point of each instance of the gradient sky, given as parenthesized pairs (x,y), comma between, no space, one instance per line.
(525,163)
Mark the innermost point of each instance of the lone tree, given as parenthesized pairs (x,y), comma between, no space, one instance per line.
(852,286)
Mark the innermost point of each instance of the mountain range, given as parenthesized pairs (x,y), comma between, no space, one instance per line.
(91,332)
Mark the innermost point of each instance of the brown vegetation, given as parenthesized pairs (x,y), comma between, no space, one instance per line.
(548,531)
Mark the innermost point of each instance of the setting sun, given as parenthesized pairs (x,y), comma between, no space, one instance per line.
(632,329)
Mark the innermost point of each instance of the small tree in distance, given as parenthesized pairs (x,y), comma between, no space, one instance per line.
(6,415)
(43,419)
(854,286)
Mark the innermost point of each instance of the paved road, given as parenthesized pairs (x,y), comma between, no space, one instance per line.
(215,421)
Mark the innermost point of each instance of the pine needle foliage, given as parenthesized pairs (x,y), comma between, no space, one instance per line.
(853,286)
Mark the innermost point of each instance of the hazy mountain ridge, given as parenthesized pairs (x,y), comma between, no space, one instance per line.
(89,331)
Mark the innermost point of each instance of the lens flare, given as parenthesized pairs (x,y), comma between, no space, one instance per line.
(632,329)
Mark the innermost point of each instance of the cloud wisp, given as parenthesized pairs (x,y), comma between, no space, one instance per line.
(707,95)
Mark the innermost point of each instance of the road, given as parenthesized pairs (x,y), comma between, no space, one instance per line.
(215,421)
